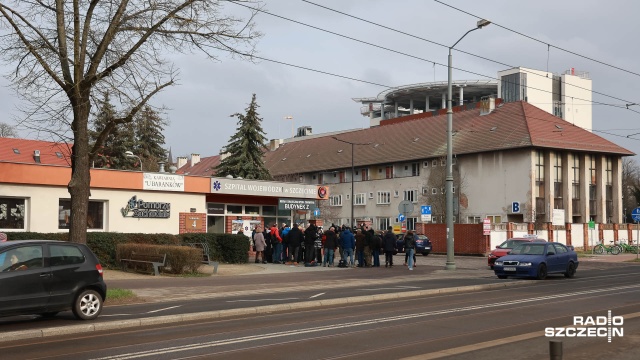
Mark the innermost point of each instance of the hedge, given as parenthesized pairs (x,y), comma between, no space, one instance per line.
(225,248)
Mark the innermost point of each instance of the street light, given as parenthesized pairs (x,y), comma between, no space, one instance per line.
(353,173)
(130,154)
(450,264)
(290,118)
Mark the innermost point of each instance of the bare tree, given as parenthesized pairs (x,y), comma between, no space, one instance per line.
(434,186)
(630,187)
(68,54)
(7,130)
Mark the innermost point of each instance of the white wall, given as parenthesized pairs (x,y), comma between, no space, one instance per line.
(42,208)
(539,87)
(577,97)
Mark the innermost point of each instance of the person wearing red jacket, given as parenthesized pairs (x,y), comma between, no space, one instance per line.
(277,244)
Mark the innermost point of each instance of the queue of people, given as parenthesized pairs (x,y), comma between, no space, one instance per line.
(314,247)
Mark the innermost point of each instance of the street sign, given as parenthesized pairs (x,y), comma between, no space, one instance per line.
(316,212)
(635,214)
(401,217)
(515,207)
(486,227)
(557,217)
(425,213)
(405,207)
(592,225)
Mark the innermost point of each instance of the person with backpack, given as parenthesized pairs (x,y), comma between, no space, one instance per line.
(389,246)
(409,246)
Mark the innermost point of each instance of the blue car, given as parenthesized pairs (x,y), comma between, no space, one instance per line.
(537,260)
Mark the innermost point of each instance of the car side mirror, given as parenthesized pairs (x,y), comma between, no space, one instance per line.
(550,253)
(497,246)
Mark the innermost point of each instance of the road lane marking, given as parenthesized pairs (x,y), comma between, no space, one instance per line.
(247,300)
(168,308)
(279,335)
(316,295)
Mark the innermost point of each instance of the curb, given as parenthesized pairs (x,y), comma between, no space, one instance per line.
(122,324)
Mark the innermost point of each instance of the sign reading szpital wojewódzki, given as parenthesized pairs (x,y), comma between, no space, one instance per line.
(165,182)
(143,209)
(295,204)
(267,188)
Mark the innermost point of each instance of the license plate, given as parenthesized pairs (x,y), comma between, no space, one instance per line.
(427,247)
(509,268)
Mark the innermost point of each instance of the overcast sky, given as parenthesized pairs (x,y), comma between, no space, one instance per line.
(208,92)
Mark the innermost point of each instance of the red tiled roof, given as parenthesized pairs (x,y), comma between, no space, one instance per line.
(510,126)
(48,151)
(206,167)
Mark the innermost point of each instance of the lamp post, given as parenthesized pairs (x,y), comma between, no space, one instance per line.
(353,173)
(130,154)
(289,117)
(450,264)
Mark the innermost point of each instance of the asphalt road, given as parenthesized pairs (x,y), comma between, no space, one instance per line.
(482,324)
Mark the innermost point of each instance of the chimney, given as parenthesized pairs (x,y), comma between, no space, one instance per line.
(161,166)
(274,144)
(36,156)
(182,161)
(487,105)
(195,158)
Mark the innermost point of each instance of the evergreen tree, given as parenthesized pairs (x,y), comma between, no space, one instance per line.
(112,153)
(246,148)
(149,139)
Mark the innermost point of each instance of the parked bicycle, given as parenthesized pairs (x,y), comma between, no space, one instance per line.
(626,247)
(601,248)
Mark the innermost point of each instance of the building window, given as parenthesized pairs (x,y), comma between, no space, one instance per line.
(474,220)
(389,172)
(434,163)
(384,198)
(335,200)
(382,223)
(576,178)
(371,195)
(514,87)
(425,164)
(443,162)
(411,223)
(360,199)
(425,191)
(434,191)
(234,209)
(494,219)
(252,210)
(343,176)
(269,210)
(320,179)
(411,195)
(12,213)
(415,169)
(396,193)
(95,214)
(365,174)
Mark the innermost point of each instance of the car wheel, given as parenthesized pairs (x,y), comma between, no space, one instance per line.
(502,276)
(49,314)
(87,305)
(425,254)
(571,270)
(542,272)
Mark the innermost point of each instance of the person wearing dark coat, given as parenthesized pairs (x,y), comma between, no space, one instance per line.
(389,246)
(368,245)
(410,245)
(310,235)
(360,248)
(376,245)
(295,238)
(348,242)
(330,245)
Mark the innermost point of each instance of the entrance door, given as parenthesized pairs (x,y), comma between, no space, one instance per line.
(215,224)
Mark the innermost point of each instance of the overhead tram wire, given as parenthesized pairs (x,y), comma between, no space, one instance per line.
(445,46)
(540,41)
(427,60)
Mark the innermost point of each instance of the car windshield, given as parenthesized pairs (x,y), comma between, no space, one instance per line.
(529,249)
(510,244)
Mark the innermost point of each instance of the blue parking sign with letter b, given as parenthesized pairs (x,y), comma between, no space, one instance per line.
(515,207)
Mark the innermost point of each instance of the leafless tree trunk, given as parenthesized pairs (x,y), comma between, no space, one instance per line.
(67,54)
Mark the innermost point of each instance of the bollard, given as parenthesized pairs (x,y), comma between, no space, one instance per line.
(555,350)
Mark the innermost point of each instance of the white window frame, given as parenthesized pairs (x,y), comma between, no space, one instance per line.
(360,199)
(383,223)
(413,197)
(425,191)
(434,163)
(396,193)
(371,195)
(335,200)
(425,164)
(384,198)
(411,223)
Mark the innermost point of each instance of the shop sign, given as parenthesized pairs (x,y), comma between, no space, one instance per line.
(295,204)
(267,188)
(143,209)
(215,208)
(164,182)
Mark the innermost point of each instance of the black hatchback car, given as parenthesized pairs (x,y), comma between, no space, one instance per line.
(423,244)
(45,277)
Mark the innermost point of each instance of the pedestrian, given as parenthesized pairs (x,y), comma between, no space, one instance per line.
(389,246)
(260,244)
(317,245)
(409,246)
(276,240)
(330,245)
(268,250)
(368,245)
(348,244)
(294,237)
(360,247)
(310,236)
(376,245)
(284,230)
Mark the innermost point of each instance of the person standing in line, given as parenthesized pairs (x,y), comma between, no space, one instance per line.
(375,249)
(330,245)
(286,254)
(310,235)
(277,242)
(260,244)
(360,247)
(409,245)
(389,246)
(317,245)
(294,237)
(348,243)
(268,250)
(368,245)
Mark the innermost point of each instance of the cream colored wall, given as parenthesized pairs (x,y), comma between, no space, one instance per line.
(539,87)
(42,208)
(577,97)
